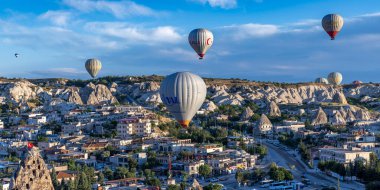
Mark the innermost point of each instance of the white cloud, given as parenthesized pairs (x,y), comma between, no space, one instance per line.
(307,22)
(224,4)
(249,30)
(179,54)
(135,34)
(59,18)
(119,9)
(62,72)
(376,14)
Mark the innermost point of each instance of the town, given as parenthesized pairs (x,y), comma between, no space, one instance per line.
(114,133)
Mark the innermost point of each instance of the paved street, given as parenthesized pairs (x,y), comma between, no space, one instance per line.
(287,160)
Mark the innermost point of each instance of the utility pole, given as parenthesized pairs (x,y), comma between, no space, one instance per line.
(338,185)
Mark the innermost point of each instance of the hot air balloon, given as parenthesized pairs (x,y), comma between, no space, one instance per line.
(16,55)
(30,145)
(93,67)
(183,93)
(332,23)
(357,82)
(321,80)
(335,78)
(201,40)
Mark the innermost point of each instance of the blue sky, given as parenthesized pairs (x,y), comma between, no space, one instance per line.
(262,40)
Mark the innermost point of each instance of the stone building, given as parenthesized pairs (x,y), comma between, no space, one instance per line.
(32,173)
(264,125)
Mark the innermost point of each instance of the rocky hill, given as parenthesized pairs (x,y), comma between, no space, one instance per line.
(270,97)
(352,102)
(22,92)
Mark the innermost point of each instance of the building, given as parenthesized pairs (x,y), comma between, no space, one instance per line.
(264,125)
(134,127)
(46,145)
(343,156)
(65,175)
(37,119)
(72,129)
(289,127)
(32,173)
(209,148)
(94,146)
(192,168)
(235,141)
(122,159)
(1,125)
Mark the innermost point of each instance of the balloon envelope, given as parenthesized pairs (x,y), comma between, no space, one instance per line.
(332,23)
(357,82)
(201,40)
(183,93)
(93,67)
(335,78)
(321,80)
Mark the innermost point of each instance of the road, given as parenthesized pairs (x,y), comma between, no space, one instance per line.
(287,160)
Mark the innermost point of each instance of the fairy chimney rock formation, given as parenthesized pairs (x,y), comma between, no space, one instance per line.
(32,173)
(320,118)
(274,110)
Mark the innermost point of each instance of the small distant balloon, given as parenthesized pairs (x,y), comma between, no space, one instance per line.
(93,67)
(335,78)
(357,82)
(321,80)
(332,23)
(16,55)
(201,40)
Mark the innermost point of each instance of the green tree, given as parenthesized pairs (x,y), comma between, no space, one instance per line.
(255,117)
(154,182)
(108,173)
(205,170)
(174,187)
(83,183)
(62,186)
(258,174)
(375,185)
(212,186)
(71,165)
(42,139)
(277,175)
(132,163)
(239,176)
(101,178)
(148,173)
(121,173)
(54,179)
(72,185)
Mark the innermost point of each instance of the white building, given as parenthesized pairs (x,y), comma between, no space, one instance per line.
(36,119)
(72,129)
(343,156)
(120,160)
(289,127)
(1,124)
(134,126)
(129,109)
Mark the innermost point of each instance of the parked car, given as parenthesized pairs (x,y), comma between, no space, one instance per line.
(214,179)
